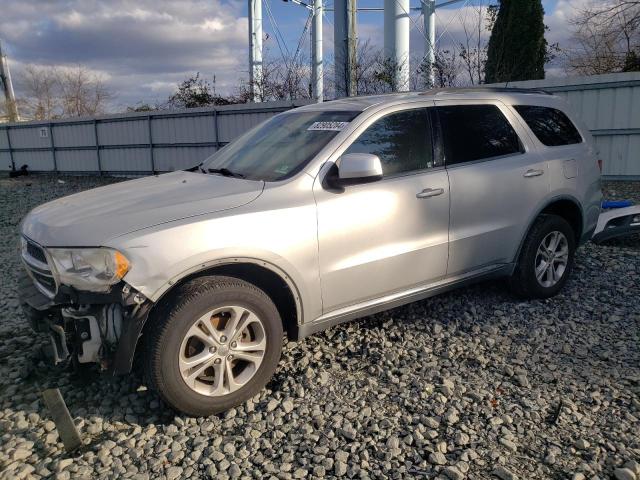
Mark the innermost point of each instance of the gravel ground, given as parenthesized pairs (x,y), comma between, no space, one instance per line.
(471,384)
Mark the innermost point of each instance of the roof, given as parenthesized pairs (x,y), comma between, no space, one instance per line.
(363,102)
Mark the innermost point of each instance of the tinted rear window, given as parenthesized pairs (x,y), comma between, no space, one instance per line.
(552,127)
(476,132)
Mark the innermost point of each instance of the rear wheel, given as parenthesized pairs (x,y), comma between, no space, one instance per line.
(214,346)
(546,258)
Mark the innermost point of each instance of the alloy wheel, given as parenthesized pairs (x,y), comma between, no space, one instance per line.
(552,259)
(222,351)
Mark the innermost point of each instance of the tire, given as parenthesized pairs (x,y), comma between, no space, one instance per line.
(173,335)
(524,282)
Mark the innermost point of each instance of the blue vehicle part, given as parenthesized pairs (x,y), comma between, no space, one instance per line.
(607,204)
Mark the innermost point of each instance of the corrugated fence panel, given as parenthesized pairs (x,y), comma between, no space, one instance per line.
(5,161)
(619,152)
(77,160)
(184,129)
(126,132)
(80,135)
(233,125)
(4,141)
(36,160)
(125,160)
(30,137)
(179,158)
(180,139)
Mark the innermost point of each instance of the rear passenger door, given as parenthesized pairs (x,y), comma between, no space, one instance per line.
(496,180)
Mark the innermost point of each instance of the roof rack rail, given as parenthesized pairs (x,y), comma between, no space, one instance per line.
(435,91)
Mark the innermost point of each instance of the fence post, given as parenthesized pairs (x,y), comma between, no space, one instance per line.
(53,148)
(95,134)
(153,162)
(13,163)
(215,128)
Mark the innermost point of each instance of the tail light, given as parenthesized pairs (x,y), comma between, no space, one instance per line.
(600,164)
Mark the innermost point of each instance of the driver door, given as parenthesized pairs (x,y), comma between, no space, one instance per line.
(392,235)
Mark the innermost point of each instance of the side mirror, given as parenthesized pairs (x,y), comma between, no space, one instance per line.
(354,168)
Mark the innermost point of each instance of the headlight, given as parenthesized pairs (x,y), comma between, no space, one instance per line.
(93,269)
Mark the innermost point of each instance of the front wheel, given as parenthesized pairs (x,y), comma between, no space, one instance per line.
(546,258)
(213,345)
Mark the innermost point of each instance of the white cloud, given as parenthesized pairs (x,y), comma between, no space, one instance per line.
(142,47)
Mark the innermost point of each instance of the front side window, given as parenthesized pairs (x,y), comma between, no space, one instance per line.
(551,126)
(476,132)
(280,147)
(401,140)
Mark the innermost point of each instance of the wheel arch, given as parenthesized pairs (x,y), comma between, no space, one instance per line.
(276,283)
(272,280)
(564,206)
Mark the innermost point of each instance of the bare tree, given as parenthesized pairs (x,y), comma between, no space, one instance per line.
(446,70)
(51,92)
(284,79)
(606,37)
(374,73)
(473,49)
(42,87)
(82,92)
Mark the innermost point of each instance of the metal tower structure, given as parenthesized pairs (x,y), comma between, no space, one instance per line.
(317,67)
(344,47)
(7,87)
(396,42)
(397,25)
(255,50)
(429,13)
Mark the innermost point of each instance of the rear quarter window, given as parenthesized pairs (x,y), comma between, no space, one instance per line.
(476,132)
(551,126)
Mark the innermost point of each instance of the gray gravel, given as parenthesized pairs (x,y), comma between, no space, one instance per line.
(471,384)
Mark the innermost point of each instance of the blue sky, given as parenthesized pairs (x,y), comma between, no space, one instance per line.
(144,48)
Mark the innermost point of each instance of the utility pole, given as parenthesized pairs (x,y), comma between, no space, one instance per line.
(7,86)
(255,50)
(429,14)
(396,42)
(317,83)
(352,45)
(344,47)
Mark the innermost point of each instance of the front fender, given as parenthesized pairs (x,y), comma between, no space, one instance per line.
(284,241)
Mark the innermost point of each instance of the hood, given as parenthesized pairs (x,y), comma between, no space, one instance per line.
(91,218)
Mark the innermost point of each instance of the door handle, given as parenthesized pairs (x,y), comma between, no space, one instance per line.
(533,173)
(430,192)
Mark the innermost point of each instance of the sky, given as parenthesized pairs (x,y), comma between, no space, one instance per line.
(143,48)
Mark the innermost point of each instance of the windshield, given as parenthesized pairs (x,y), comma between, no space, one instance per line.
(278,148)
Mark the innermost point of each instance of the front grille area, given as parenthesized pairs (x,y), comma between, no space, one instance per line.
(46,281)
(36,262)
(36,252)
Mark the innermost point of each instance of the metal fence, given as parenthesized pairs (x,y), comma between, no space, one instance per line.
(164,141)
(132,143)
(610,106)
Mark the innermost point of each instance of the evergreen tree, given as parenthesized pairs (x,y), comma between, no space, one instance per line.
(517,48)
(631,62)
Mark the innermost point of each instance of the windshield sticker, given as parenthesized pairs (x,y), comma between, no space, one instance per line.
(282,170)
(328,126)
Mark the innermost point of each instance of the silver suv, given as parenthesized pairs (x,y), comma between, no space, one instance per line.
(320,215)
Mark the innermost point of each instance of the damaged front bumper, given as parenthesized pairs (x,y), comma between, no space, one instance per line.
(87,327)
